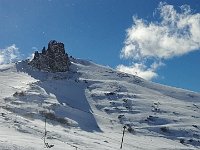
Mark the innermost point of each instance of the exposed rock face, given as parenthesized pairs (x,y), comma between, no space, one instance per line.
(54,59)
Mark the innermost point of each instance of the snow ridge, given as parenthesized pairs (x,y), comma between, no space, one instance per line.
(87,107)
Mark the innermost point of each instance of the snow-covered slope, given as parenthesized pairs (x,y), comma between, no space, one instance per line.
(87,108)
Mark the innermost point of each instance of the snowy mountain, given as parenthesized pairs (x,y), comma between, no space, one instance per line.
(87,108)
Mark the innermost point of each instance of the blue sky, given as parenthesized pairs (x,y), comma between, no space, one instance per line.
(157,40)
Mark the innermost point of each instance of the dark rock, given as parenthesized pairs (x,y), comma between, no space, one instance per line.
(36,54)
(54,59)
(44,50)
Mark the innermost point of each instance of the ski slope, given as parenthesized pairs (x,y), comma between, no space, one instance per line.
(87,108)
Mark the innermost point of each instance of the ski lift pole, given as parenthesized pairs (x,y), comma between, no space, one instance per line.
(45,135)
(45,131)
(123,137)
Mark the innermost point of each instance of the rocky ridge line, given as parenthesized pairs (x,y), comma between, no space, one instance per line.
(52,59)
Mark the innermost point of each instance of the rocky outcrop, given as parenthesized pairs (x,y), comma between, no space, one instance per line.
(52,59)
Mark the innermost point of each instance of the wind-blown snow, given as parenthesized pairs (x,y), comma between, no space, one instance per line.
(87,107)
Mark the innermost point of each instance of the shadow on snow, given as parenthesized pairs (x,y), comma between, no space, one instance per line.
(69,92)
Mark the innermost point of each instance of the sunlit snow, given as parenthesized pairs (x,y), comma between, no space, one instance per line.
(87,107)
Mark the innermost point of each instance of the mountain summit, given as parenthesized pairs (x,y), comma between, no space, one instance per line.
(90,107)
(52,59)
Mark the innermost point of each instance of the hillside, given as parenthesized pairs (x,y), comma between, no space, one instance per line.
(87,108)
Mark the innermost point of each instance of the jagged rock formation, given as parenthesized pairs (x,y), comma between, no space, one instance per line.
(52,59)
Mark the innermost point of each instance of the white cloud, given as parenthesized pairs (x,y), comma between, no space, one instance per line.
(9,54)
(177,33)
(138,70)
(1,59)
